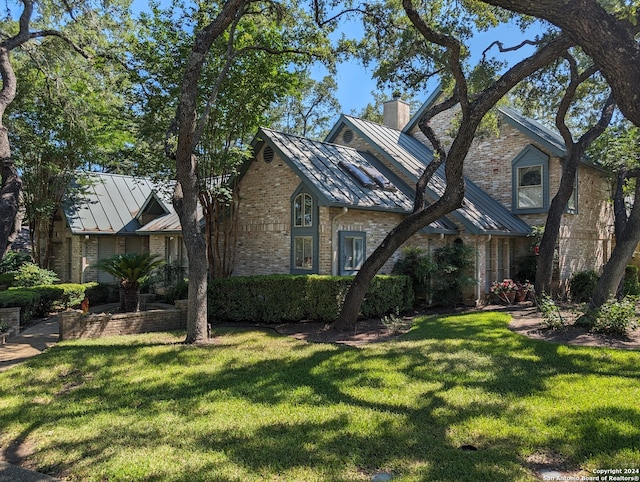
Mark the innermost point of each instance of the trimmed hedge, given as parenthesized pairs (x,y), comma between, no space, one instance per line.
(39,301)
(277,298)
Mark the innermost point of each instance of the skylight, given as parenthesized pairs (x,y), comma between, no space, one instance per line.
(367,176)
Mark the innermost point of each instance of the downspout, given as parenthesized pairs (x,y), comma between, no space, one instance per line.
(479,289)
(334,241)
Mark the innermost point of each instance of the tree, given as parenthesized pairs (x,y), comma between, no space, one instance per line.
(67,114)
(196,101)
(309,108)
(608,34)
(583,94)
(76,22)
(442,52)
(133,269)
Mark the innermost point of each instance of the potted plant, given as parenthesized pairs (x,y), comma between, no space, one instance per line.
(504,290)
(523,291)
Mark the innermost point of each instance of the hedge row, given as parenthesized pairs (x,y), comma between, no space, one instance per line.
(39,301)
(277,298)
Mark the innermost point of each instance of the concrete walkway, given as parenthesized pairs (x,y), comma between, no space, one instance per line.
(29,343)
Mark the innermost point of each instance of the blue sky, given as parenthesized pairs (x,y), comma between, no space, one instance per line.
(356,83)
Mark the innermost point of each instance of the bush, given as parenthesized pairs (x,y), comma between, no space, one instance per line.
(7,279)
(582,285)
(525,267)
(12,261)
(179,291)
(416,263)
(616,316)
(631,286)
(453,267)
(277,298)
(30,274)
(100,293)
(39,301)
(551,314)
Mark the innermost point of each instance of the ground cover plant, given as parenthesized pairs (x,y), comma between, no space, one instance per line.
(261,406)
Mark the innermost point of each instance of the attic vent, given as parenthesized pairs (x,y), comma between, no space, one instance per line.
(268,154)
(347,136)
(367,176)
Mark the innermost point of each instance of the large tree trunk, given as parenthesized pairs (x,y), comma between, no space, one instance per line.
(11,188)
(576,150)
(186,194)
(473,111)
(609,41)
(626,244)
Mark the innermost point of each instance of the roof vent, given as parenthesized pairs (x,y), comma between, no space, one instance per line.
(347,136)
(268,154)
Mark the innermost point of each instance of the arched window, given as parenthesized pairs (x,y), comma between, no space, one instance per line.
(303,211)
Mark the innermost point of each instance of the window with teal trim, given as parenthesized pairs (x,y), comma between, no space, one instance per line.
(353,248)
(530,181)
(304,232)
(303,211)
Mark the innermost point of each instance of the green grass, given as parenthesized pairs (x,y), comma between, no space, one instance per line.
(259,406)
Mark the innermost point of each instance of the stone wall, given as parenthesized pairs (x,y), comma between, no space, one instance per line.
(10,316)
(73,324)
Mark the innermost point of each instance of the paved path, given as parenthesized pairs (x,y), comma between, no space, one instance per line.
(29,343)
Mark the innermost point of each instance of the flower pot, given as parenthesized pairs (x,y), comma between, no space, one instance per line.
(521,295)
(511,296)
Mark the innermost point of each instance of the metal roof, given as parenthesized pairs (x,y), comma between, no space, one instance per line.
(105,203)
(480,214)
(318,164)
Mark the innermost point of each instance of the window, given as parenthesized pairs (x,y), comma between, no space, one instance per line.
(304,232)
(352,251)
(303,252)
(530,187)
(303,211)
(530,181)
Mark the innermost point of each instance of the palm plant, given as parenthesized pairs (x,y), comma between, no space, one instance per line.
(132,269)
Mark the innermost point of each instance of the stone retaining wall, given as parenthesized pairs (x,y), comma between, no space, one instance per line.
(10,316)
(73,324)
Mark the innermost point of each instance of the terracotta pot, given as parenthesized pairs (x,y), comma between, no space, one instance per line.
(511,296)
(521,295)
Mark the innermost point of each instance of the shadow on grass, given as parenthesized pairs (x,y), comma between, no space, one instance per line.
(270,406)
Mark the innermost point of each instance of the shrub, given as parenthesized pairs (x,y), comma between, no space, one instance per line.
(30,274)
(416,263)
(99,293)
(179,291)
(12,260)
(582,285)
(7,279)
(631,286)
(453,267)
(277,298)
(616,316)
(526,266)
(551,314)
(24,298)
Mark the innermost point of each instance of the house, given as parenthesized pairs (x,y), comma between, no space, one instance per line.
(323,207)
(107,214)
(308,206)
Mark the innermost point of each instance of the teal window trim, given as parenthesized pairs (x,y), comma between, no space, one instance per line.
(304,232)
(352,251)
(528,159)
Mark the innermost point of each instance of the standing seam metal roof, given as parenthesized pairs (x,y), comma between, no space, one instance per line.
(480,212)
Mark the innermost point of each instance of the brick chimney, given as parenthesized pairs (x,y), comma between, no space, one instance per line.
(395,113)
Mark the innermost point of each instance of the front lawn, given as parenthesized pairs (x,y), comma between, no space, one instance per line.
(259,406)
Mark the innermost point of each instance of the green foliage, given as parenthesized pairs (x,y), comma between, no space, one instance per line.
(13,260)
(234,410)
(130,267)
(30,274)
(525,267)
(616,316)
(582,286)
(277,298)
(178,291)
(551,314)
(416,263)
(454,268)
(39,301)
(631,284)
(7,279)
